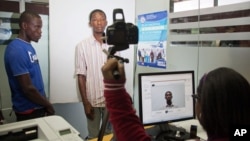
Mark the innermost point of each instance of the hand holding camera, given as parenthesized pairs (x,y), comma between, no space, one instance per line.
(120,35)
(109,67)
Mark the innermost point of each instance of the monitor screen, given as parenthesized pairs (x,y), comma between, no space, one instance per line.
(156,105)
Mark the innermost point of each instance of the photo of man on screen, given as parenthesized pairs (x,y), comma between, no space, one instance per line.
(169,97)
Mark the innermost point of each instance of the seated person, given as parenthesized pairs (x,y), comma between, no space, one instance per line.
(222,101)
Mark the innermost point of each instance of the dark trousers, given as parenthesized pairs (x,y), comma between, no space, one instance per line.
(35,114)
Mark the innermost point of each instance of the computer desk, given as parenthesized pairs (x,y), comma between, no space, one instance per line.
(187,124)
(184,124)
(105,138)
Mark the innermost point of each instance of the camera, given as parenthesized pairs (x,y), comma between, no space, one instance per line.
(121,34)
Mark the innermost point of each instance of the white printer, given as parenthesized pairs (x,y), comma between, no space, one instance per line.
(51,128)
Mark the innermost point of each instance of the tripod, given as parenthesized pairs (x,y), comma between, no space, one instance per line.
(110,54)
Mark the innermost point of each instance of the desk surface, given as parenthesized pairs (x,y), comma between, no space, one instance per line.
(105,138)
(184,124)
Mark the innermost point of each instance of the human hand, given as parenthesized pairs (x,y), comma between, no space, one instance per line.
(50,110)
(89,111)
(109,67)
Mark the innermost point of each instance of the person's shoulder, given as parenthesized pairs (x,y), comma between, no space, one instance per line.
(86,40)
(14,44)
(13,41)
(82,41)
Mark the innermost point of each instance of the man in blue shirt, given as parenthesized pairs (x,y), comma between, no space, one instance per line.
(23,71)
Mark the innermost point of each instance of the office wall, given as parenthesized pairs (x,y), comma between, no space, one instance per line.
(197,58)
(180,58)
(68,26)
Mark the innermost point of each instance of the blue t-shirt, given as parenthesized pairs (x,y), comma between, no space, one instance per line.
(20,58)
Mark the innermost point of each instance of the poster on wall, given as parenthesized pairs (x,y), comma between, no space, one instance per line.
(151,50)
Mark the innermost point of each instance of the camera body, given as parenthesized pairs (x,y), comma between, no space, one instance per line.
(121,34)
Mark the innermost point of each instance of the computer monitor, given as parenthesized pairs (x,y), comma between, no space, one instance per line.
(153,107)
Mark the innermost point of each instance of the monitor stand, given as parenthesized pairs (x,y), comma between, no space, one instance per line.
(166,131)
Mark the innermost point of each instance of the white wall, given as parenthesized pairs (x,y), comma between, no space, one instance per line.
(68,26)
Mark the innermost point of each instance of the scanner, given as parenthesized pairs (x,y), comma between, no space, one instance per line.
(50,128)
